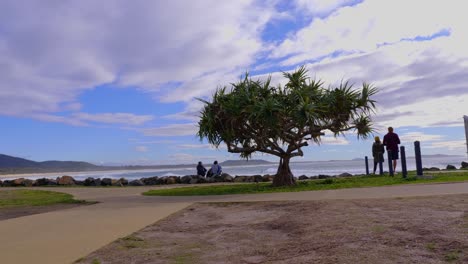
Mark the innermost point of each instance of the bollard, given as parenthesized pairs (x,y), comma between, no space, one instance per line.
(367,166)
(403,161)
(390,165)
(380,167)
(417,154)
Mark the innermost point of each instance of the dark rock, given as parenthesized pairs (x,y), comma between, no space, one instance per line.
(106,182)
(42,182)
(8,183)
(1,183)
(210,179)
(65,180)
(345,174)
(431,169)
(28,183)
(451,167)
(136,183)
(313,177)
(155,180)
(240,179)
(120,182)
(227,178)
(90,181)
(217,179)
(171,180)
(19,182)
(79,182)
(194,179)
(186,179)
(303,177)
(267,178)
(321,176)
(464,165)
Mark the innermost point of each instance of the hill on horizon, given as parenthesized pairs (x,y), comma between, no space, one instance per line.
(10,162)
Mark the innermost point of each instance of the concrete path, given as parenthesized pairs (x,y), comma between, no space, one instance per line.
(65,236)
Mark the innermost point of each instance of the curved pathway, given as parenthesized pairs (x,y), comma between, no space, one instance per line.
(65,236)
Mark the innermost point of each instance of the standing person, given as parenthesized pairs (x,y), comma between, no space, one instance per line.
(391,140)
(378,151)
(201,170)
(216,169)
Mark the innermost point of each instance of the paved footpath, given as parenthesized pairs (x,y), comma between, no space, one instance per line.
(67,235)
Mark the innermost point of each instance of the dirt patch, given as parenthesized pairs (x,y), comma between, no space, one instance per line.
(407,230)
(7,213)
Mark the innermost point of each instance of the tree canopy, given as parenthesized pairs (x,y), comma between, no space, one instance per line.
(253,116)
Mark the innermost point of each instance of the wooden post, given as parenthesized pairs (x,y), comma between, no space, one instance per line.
(390,165)
(417,154)
(403,161)
(367,166)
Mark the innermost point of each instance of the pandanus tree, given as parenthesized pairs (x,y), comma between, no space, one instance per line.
(253,116)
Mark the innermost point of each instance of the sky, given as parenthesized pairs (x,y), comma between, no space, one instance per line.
(116,82)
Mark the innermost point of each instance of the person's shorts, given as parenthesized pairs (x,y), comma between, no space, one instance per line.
(394,155)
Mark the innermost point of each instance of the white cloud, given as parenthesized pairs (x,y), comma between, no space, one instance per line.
(141,148)
(114,118)
(321,7)
(58,50)
(459,145)
(172,130)
(419,136)
(328,140)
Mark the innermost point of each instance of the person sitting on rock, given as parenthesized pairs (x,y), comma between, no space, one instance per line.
(201,170)
(216,169)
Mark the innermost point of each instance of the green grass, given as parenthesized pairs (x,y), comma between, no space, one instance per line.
(22,198)
(310,185)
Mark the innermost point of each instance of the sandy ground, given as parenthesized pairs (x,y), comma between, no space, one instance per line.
(397,230)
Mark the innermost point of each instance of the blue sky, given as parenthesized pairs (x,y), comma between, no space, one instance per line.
(115,82)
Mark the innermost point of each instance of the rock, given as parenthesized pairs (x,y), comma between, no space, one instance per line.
(303,177)
(345,174)
(210,180)
(431,169)
(28,183)
(1,183)
(313,177)
(217,179)
(79,182)
(321,176)
(155,180)
(90,181)
(123,182)
(240,179)
(450,167)
(136,183)
(171,180)
(65,180)
(267,178)
(186,179)
(7,183)
(18,182)
(106,182)
(464,165)
(228,178)
(194,179)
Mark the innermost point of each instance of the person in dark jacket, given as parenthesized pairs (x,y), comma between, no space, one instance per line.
(391,141)
(378,151)
(201,170)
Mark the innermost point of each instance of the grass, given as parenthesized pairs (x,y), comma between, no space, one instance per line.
(22,198)
(310,185)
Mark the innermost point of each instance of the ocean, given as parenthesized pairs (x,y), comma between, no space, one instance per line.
(311,168)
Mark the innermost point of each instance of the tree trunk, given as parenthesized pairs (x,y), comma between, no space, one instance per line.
(284,176)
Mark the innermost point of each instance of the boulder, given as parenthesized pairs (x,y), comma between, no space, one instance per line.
(77,182)
(431,169)
(186,179)
(65,180)
(171,180)
(1,183)
(464,165)
(120,182)
(303,177)
(210,180)
(155,180)
(240,179)
(194,179)
(267,178)
(7,183)
(321,176)
(345,174)
(106,182)
(90,181)
(451,167)
(19,182)
(228,178)
(136,183)
(28,183)
(217,179)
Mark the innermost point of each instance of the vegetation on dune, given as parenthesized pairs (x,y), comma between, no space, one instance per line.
(309,185)
(256,117)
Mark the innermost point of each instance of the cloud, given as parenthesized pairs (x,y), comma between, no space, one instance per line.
(58,50)
(459,145)
(419,136)
(113,118)
(141,148)
(321,7)
(172,130)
